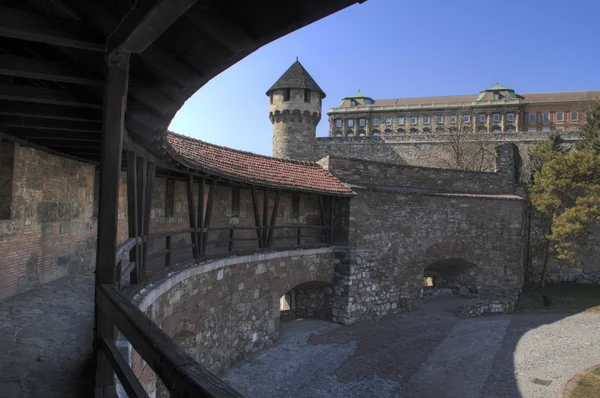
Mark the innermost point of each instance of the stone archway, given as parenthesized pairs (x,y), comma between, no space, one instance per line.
(310,299)
(450,277)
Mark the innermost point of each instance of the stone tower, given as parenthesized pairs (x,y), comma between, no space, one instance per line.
(295,111)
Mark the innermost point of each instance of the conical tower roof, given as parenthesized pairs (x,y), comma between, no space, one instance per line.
(296,77)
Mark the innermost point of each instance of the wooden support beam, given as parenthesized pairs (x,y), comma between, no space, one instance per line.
(50,112)
(265,232)
(115,100)
(200,214)
(43,95)
(332,219)
(145,23)
(256,218)
(31,68)
(128,379)
(32,124)
(273,218)
(26,25)
(208,216)
(169,249)
(151,172)
(323,218)
(142,170)
(192,215)
(132,212)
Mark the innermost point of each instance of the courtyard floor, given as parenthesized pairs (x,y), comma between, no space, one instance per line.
(427,353)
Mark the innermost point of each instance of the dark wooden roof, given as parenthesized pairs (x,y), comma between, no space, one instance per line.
(296,77)
(52,58)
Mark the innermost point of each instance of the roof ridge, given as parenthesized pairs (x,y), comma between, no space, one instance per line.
(475,94)
(294,161)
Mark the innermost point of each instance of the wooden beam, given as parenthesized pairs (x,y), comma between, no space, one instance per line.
(332,219)
(43,95)
(31,68)
(132,212)
(151,172)
(145,23)
(50,136)
(53,112)
(189,184)
(323,217)
(209,208)
(200,214)
(128,379)
(182,375)
(256,218)
(265,232)
(49,124)
(115,100)
(142,170)
(273,218)
(26,25)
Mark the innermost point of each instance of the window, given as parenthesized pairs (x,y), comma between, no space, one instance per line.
(400,121)
(338,122)
(271,99)
(362,122)
(235,202)
(574,115)
(353,103)
(532,117)
(295,206)
(482,118)
(413,120)
(546,130)
(466,118)
(426,120)
(307,95)
(169,198)
(510,117)
(560,116)
(546,117)
(286,95)
(350,122)
(439,119)
(496,117)
(496,95)
(532,130)
(388,121)
(376,122)
(452,119)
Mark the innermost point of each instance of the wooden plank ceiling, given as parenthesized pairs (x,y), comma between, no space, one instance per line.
(52,57)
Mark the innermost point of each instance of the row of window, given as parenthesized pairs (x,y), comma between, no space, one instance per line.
(426,120)
(560,117)
(412,131)
(496,117)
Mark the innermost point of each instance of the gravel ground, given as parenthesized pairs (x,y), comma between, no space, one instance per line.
(426,353)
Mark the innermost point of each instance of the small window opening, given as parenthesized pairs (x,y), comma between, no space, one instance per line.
(295,206)
(235,202)
(307,95)
(170,198)
(286,95)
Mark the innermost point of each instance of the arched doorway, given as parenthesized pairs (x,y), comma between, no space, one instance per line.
(307,300)
(450,277)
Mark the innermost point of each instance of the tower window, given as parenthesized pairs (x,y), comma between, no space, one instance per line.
(353,103)
(286,95)
(307,95)
(271,98)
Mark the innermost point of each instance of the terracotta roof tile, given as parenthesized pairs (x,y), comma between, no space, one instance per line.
(252,168)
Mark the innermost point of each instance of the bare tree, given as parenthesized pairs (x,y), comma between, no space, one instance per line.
(468,149)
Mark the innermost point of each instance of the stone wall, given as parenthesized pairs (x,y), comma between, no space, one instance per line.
(419,150)
(50,229)
(221,311)
(357,171)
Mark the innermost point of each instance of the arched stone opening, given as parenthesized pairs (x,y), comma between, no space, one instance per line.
(308,300)
(450,277)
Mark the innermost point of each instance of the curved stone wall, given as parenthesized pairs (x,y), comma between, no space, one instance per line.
(222,310)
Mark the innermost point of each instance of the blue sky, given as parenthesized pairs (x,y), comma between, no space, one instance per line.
(395,48)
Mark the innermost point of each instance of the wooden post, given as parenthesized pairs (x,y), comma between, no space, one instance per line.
(256,218)
(200,223)
(147,209)
(230,246)
(207,217)
(168,255)
(273,219)
(299,237)
(191,215)
(332,219)
(323,218)
(142,169)
(265,218)
(132,213)
(115,103)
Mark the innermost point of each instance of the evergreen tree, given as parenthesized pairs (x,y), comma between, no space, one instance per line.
(590,131)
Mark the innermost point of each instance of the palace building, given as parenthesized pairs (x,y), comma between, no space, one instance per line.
(497,109)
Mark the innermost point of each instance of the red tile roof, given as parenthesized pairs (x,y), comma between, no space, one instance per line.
(255,169)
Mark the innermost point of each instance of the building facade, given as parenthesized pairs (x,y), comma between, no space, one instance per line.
(497,109)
